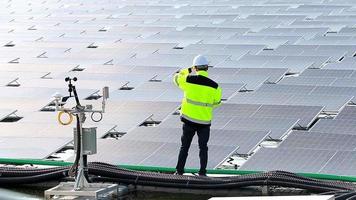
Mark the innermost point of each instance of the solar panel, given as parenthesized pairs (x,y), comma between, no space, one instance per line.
(322,141)
(327,73)
(174,121)
(136,95)
(30,147)
(159,110)
(332,90)
(229,89)
(46,93)
(306,114)
(278,127)
(274,74)
(168,154)
(348,113)
(236,110)
(339,126)
(339,66)
(244,139)
(123,151)
(335,55)
(344,82)
(330,103)
(251,81)
(341,164)
(260,98)
(286,89)
(293,160)
(305,80)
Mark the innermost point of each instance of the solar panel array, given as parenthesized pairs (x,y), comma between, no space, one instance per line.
(282,66)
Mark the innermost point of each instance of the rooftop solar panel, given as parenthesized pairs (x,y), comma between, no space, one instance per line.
(322,141)
(251,81)
(167,156)
(339,126)
(124,151)
(236,110)
(274,74)
(278,127)
(308,80)
(333,90)
(293,160)
(286,89)
(174,121)
(339,66)
(38,148)
(306,114)
(348,113)
(244,139)
(345,82)
(341,164)
(327,73)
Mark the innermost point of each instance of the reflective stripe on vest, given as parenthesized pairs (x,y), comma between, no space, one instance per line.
(195,120)
(197,103)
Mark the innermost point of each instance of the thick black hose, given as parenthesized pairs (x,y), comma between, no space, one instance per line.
(109,171)
(34,179)
(106,172)
(21,172)
(345,196)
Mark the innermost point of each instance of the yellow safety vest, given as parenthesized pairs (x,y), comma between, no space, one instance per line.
(201,96)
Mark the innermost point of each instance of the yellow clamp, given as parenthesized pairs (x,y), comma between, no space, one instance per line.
(60,117)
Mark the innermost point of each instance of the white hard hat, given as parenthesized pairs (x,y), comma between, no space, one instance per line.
(200,60)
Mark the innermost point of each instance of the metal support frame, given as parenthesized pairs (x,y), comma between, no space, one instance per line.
(92,190)
(81,187)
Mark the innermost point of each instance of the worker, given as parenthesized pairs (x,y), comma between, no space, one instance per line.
(201,96)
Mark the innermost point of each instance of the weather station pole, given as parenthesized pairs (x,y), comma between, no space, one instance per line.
(85,143)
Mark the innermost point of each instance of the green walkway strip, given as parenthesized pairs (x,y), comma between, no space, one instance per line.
(171,170)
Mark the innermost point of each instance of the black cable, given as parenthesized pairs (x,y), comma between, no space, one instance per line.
(111,173)
(76,96)
(345,196)
(85,167)
(352,198)
(74,168)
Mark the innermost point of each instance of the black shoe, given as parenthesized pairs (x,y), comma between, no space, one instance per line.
(178,173)
(202,174)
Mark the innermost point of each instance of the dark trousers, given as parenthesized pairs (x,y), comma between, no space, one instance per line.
(189,131)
